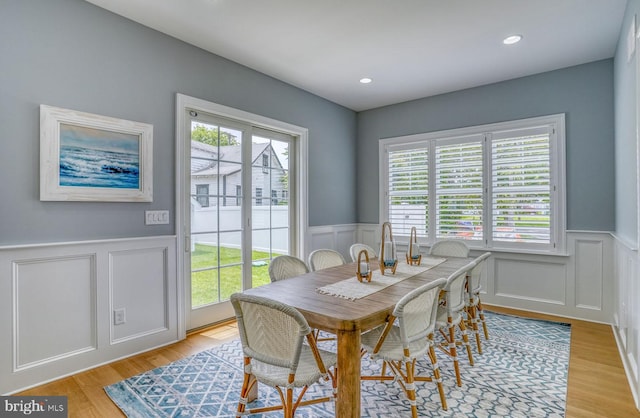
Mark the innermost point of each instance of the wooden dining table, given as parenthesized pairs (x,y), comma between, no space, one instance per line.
(348,318)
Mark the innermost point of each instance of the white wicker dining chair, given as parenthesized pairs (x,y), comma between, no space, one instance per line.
(451,315)
(272,336)
(473,304)
(355,249)
(325,258)
(286,266)
(449,248)
(399,344)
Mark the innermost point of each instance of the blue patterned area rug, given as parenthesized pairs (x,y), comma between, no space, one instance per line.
(521,373)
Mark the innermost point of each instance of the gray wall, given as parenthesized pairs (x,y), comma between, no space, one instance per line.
(71,54)
(625,139)
(584,93)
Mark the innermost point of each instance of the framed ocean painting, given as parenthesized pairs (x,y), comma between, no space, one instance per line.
(87,157)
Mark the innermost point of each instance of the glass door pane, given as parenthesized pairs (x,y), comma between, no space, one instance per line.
(216,213)
(270,216)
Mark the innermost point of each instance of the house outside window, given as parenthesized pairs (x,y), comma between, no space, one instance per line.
(258,196)
(265,163)
(498,186)
(202,195)
(238,195)
(274,197)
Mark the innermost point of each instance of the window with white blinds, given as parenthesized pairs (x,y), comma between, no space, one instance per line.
(458,166)
(498,186)
(521,186)
(408,189)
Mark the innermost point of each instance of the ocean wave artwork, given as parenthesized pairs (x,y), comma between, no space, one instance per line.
(92,157)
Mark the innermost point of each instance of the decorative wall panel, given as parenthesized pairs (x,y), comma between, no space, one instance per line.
(589,274)
(138,281)
(532,280)
(338,237)
(54,301)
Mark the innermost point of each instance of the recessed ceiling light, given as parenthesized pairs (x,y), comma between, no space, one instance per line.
(510,40)
(366,80)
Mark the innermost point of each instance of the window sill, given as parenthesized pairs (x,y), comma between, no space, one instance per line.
(520,251)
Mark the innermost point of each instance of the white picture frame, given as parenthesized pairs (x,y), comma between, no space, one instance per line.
(94,158)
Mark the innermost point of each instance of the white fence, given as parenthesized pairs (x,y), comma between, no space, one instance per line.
(270,225)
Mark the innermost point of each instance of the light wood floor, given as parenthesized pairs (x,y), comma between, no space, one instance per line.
(597,384)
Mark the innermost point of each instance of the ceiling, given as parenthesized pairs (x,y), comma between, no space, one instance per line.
(410,48)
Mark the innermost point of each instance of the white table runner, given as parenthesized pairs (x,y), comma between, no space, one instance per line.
(352,289)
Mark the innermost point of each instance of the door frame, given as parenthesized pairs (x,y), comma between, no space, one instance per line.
(184,102)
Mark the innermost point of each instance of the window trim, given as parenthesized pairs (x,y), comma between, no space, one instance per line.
(557,172)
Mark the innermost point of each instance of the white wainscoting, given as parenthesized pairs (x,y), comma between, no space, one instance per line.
(577,285)
(57,301)
(627,315)
(335,237)
(57,304)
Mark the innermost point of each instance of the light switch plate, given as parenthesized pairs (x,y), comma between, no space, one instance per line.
(156,217)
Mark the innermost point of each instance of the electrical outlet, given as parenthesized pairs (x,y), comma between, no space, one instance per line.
(119,317)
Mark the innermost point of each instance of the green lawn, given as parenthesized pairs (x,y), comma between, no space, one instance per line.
(204,276)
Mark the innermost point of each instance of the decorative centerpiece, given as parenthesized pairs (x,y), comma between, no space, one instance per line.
(388,259)
(414,258)
(364,272)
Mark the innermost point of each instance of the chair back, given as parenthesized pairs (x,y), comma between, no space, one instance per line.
(455,289)
(476,274)
(356,248)
(325,258)
(286,266)
(449,248)
(417,311)
(270,331)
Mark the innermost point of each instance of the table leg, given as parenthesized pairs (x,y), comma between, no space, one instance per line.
(348,402)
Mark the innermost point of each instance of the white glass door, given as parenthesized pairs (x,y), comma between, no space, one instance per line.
(237,211)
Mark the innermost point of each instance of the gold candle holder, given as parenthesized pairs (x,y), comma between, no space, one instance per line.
(364,272)
(414,258)
(388,259)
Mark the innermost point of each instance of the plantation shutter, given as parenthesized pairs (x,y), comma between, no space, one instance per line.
(521,185)
(459,168)
(499,186)
(408,189)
